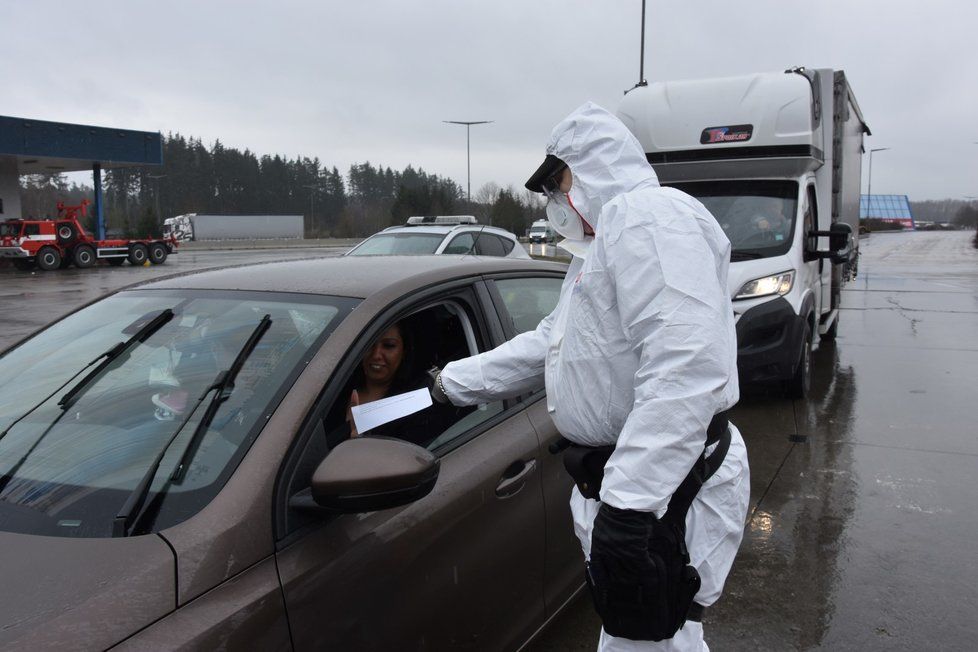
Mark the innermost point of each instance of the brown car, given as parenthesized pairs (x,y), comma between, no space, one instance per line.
(176,469)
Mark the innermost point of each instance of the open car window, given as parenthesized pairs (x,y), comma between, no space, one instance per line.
(436,334)
(432,337)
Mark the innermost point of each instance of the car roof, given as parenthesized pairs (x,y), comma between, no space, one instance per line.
(350,276)
(447,228)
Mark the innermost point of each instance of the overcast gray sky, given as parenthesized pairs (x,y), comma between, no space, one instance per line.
(372,80)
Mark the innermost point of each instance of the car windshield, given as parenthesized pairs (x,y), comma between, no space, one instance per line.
(68,471)
(388,244)
(9,229)
(757,216)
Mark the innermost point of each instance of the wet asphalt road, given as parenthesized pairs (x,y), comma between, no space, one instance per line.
(863,497)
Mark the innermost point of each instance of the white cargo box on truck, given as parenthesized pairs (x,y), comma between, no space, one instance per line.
(195,226)
(776,157)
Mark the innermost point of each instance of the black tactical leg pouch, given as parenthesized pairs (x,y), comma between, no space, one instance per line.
(652,606)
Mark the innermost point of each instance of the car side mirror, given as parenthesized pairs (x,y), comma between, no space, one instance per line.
(368,474)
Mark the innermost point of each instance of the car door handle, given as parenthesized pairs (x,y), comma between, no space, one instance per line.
(514,477)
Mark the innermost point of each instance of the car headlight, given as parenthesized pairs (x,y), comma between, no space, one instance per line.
(779,284)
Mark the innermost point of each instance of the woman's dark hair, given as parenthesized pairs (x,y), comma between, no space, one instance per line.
(405,373)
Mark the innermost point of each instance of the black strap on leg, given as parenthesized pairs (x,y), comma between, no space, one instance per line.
(702,470)
(696,612)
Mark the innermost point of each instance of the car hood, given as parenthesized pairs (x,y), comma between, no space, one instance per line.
(69,593)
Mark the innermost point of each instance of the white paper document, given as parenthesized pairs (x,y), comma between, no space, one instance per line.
(377,413)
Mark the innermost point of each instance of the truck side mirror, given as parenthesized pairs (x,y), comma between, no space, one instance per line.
(840,244)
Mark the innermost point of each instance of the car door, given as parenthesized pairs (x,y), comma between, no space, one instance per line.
(461,568)
(522,301)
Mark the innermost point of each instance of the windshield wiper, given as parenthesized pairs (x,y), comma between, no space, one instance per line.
(134,508)
(115,353)
(142,335)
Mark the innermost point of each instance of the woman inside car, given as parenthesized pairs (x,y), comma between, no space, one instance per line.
(389,368)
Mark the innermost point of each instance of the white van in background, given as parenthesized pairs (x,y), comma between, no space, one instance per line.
(541,231)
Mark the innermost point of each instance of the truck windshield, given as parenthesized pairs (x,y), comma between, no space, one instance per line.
(9,230)
(67,470)
(757,216)
(395,244)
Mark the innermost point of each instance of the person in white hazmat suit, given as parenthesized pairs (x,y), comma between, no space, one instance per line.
(639,353)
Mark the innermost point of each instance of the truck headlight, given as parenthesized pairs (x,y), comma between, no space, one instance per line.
(779,284)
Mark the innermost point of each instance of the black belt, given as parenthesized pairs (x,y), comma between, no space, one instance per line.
(586,463)
(696,612)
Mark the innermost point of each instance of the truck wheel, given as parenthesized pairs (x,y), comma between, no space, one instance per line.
(48,258)
(24,264)
(801,383)
(115,262)
(84,256)
(158,253)
(66,233)
(138,254)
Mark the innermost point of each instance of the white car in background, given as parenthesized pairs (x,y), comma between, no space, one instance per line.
(452,234)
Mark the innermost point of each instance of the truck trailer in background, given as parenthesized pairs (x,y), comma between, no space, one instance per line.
(776,158)
(191,227)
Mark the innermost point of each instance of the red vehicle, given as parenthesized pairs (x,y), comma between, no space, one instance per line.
(54,244)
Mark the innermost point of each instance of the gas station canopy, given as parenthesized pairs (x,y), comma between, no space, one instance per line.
(41,147)
(45,147)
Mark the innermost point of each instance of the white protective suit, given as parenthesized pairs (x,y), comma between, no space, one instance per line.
(639,352)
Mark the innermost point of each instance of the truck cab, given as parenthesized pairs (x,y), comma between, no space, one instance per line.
(180,228)
(775,158)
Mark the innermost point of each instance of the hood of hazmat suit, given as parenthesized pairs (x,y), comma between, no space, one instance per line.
(641,350)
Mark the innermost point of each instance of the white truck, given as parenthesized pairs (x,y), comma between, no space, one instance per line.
(193,226)
(776,158)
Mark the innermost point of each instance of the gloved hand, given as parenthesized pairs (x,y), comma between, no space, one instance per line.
(437,389)
(640,581)
(620,546)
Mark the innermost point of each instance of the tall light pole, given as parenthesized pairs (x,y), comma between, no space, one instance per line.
(869,189)
(312,205)
(468,147)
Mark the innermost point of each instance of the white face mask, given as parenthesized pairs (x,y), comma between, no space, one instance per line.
(563,218)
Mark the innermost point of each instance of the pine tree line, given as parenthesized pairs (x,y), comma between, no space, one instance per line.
(195,178)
